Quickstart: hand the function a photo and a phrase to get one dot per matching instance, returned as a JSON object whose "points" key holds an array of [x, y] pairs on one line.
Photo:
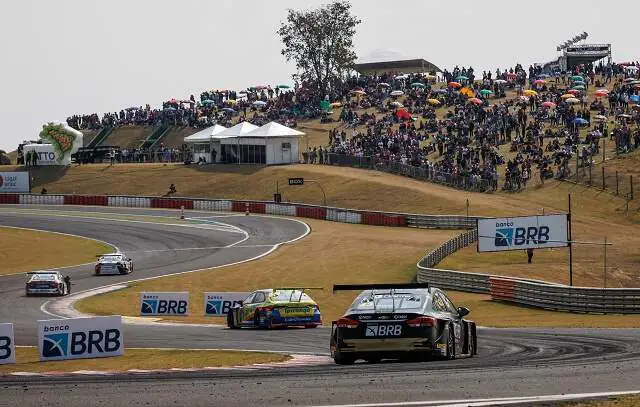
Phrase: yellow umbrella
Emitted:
{"points": [[530, 92], [567, 96], [433, 101], [467, 92], [230, 102], [336, 104]]}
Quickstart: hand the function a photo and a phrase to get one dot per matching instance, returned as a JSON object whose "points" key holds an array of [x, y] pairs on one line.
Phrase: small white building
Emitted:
{"points": [[203, 145], [246, 143]]}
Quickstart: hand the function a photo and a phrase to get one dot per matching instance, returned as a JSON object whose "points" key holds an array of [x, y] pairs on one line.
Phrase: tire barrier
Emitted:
{"points": [[171, 203], [10, 199]]}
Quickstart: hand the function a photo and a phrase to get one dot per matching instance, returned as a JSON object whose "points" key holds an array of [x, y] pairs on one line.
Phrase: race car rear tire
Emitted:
{"points": [[341, 359], [231, 323], [451, 344]]}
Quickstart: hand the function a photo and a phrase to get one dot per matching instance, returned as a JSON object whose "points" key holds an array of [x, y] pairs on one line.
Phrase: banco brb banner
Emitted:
{"points": [[80, 338], [523, 232]]}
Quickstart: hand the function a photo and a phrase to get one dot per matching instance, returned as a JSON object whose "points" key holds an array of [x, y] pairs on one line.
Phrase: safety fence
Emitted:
{"points": [[251, 207], [533, 293], [468, 183], [514, 290]]}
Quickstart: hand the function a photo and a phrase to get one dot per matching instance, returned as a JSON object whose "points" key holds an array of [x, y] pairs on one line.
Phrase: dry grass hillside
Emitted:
{"points": [[128, 137]]}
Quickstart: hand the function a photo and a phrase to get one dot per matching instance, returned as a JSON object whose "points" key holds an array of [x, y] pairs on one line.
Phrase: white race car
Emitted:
{"points": [[45, 282], [113, 263]]}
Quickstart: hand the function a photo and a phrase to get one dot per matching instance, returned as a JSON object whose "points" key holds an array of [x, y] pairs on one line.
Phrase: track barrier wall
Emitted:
{"points": [[524, 292]]}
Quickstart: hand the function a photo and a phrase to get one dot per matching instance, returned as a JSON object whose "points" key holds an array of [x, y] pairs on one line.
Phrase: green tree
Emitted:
{"points": [[320, 42]]}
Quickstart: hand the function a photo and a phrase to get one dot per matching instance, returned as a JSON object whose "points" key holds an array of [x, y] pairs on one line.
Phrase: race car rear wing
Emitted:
{"points": [[362, 287], [294, 289]]}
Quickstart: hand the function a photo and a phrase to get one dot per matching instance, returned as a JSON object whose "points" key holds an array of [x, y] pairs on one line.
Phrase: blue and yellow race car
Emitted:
{"points": [[274, 308]]}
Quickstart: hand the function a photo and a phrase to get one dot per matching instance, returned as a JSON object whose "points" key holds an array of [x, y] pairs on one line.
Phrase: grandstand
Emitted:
{"points": [[575, 54]]}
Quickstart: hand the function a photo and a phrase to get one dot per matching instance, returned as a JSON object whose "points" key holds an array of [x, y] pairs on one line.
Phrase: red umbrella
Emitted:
{"points": [[540, 82], [549, 104], [600, 93], [574, 91], [475, 101], [455, 85], [403, 114]]}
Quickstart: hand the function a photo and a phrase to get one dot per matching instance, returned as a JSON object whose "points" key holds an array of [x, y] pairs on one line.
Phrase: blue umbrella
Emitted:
{"points": [[440, 91], [635, 98], [228, 110], [579, 121], [171, 109], [208, 101]]}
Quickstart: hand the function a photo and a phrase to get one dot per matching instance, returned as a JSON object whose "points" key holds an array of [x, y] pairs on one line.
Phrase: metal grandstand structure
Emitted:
{"points": [[576, 52]]}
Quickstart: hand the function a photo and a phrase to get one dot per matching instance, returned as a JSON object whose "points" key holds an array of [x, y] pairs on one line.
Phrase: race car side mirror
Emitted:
{"points": [[462, 311]]}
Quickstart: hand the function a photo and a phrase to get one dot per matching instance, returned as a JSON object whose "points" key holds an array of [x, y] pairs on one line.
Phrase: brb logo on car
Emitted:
{"points": [[61, 342], [509, 236], [153, 304]]}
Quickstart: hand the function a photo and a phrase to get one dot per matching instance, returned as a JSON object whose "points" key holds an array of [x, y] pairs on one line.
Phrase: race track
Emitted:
{"points": [[511, 362]]}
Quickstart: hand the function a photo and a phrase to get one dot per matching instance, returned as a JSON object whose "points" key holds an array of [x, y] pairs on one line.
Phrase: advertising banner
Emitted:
{"points": [[524, 232], [175, 304], [47, 154], [218, 304], [7, 344], [11, 182], [80, 338]]}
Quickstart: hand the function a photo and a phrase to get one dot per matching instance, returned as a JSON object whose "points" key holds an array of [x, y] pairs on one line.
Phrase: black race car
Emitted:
{"points": [[401, 321]]}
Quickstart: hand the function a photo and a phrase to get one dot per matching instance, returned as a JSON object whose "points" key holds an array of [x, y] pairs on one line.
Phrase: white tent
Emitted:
{"points": [[270, 144], [204, 146], [237, 130], [274, 129], [205, 135]]}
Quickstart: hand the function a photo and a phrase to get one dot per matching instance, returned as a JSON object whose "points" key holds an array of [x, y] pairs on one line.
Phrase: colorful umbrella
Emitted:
{"points": [[579, 83], [572, 100], [540, 82], [397, 93], [230, 102], [543, 76], [579, 121], [574, 92], [600, 117], [434, 102], [359, 92], [462, 78], [397, 104], [530, 92], [549, 104], [485, 92], [383, 84], [336, 104], [579, 87], [577, 78], [418, 85], [228, 110], [455, 85], [567, 96], [475, 101], [635, 98], [500, 81], [207, 101], [259, 103], [467, 92], [260, 87], [524, 98], [283, 87], [600, 93]]}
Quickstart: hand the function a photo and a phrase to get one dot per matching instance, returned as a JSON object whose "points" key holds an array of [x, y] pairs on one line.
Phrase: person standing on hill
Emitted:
{"points": [[529, 255]]}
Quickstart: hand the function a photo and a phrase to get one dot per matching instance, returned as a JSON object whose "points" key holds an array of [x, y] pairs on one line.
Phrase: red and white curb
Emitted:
{"points": [[295, 361]]}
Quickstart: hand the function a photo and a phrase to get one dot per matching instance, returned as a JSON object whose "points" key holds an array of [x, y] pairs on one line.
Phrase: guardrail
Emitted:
{"points": [[533, 293], [520, 291]]}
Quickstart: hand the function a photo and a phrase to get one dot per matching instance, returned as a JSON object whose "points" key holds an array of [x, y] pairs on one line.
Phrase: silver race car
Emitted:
{"points": [[113, 263], [45, 283]]}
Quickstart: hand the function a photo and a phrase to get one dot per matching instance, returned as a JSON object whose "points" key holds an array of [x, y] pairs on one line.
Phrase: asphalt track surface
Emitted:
{"points": [[510, 363]]}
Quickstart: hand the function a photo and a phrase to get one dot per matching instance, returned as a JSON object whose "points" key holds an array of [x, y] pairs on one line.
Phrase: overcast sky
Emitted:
{"points": [[77, 56]]}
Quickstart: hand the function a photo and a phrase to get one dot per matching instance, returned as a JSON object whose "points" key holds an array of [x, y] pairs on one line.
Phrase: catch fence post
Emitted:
{"points": [[182, 212], [246, 208], [603, 182]]}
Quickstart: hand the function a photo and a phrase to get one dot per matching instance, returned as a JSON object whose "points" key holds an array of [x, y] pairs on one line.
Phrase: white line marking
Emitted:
{"points": [[490, 401], [200, 248]]}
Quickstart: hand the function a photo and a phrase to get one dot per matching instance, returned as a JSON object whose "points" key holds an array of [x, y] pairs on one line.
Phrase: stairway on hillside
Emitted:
{"points": [[128, 136], [100, 137]]}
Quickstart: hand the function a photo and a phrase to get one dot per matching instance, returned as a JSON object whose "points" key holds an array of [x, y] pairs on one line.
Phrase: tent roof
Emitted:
{"points": [[274, 129], [239, 129], [206, 134]]}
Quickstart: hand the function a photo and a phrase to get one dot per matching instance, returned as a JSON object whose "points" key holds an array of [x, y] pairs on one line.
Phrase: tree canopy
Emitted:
{"points": [[320, 41]]}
